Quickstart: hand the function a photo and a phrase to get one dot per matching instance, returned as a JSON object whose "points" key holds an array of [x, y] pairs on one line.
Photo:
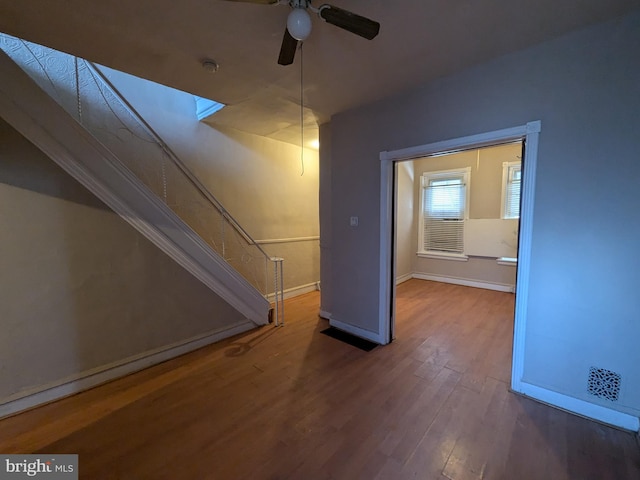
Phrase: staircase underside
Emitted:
{"points": [[48, 126]]}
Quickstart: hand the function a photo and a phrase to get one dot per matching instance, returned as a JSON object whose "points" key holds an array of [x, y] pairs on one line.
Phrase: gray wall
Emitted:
{"points": [[325, 207], [583, 300], [79, 287]]}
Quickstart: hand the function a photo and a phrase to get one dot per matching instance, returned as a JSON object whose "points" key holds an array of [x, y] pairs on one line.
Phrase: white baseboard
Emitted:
{"points": [[579, 407], [324, 314], [296, 291], [358, 332], [94, 377], [500, 287], [403, 278]]}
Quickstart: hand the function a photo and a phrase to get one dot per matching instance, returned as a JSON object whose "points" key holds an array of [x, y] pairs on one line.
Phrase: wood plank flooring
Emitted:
{"points": [[290, 403]]}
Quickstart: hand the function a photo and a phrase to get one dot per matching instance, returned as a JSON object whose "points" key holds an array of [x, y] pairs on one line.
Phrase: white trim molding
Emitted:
{"points": [[530, 134], [270, 241], [511, 262], [97, 376], [324, 314], [527, 194], [580, 407], [404, 278], [297, 291], [357, 331], [499, 287], [458, 257]]}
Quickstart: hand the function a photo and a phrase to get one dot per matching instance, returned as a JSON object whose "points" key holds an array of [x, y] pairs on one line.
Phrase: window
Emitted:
{"points": [[205, 107], [511, 180], [444, 208]]}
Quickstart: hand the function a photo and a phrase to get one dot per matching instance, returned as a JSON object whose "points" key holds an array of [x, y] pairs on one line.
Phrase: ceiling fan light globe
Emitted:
{"points": [[299, 24]]}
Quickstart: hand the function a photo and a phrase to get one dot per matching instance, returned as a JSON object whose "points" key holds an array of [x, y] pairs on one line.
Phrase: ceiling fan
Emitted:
{"points": [[299, 24]]}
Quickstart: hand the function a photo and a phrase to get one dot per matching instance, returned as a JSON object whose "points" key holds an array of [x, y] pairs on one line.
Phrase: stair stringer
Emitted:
{"points": [[34, 114]]}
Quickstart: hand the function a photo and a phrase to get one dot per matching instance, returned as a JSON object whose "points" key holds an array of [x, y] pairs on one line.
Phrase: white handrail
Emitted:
{"points": [[278, 290], [204, 191], [179, 163]]}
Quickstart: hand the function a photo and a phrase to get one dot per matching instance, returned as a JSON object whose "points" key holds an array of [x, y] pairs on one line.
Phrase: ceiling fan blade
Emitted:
{"points": [[350, 21], [288, 49], [261, 2]]}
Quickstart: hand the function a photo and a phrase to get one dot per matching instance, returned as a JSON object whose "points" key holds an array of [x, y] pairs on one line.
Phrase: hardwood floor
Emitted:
{"points": [[291, 403]]}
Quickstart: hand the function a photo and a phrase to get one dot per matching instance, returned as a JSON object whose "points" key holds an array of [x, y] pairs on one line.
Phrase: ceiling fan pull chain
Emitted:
{"points": [[302, 107]]}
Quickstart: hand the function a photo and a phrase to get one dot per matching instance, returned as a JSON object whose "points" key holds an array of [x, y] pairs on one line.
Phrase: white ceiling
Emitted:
{"points": [[166, 40]]}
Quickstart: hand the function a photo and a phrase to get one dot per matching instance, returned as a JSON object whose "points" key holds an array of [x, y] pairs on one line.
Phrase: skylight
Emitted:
{"points": [[205, 107], [22, 52]]}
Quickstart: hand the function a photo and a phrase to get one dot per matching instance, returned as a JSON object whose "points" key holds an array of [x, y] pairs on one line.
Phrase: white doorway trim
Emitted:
{"points": [[530, 133]]}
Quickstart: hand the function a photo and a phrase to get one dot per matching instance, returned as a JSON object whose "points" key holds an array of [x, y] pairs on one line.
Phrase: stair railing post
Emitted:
{"points": [[278, 291], [224, 245], [281, 263], [266, 277], [275, 292]]}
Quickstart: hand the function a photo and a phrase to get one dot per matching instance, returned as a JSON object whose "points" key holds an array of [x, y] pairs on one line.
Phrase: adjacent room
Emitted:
{"points": [[457, 217]]}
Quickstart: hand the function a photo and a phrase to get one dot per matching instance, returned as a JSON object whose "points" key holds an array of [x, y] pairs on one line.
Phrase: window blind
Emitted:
{"points": [[512, 192], [444, 212]]}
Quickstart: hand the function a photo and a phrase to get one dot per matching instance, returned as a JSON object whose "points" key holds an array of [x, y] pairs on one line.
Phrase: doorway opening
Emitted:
{"points": [[446, 232]]}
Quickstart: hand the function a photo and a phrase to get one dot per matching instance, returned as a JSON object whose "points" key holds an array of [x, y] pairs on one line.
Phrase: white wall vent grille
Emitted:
{"points": [[604, 383]]}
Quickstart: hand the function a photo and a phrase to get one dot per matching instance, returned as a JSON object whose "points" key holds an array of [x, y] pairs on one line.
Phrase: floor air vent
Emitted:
{"points": [[604, 383], [345, 337]]}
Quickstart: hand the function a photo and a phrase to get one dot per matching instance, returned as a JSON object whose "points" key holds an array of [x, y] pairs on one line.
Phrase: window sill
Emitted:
{"points": [[458, 257], [512, 262]]}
